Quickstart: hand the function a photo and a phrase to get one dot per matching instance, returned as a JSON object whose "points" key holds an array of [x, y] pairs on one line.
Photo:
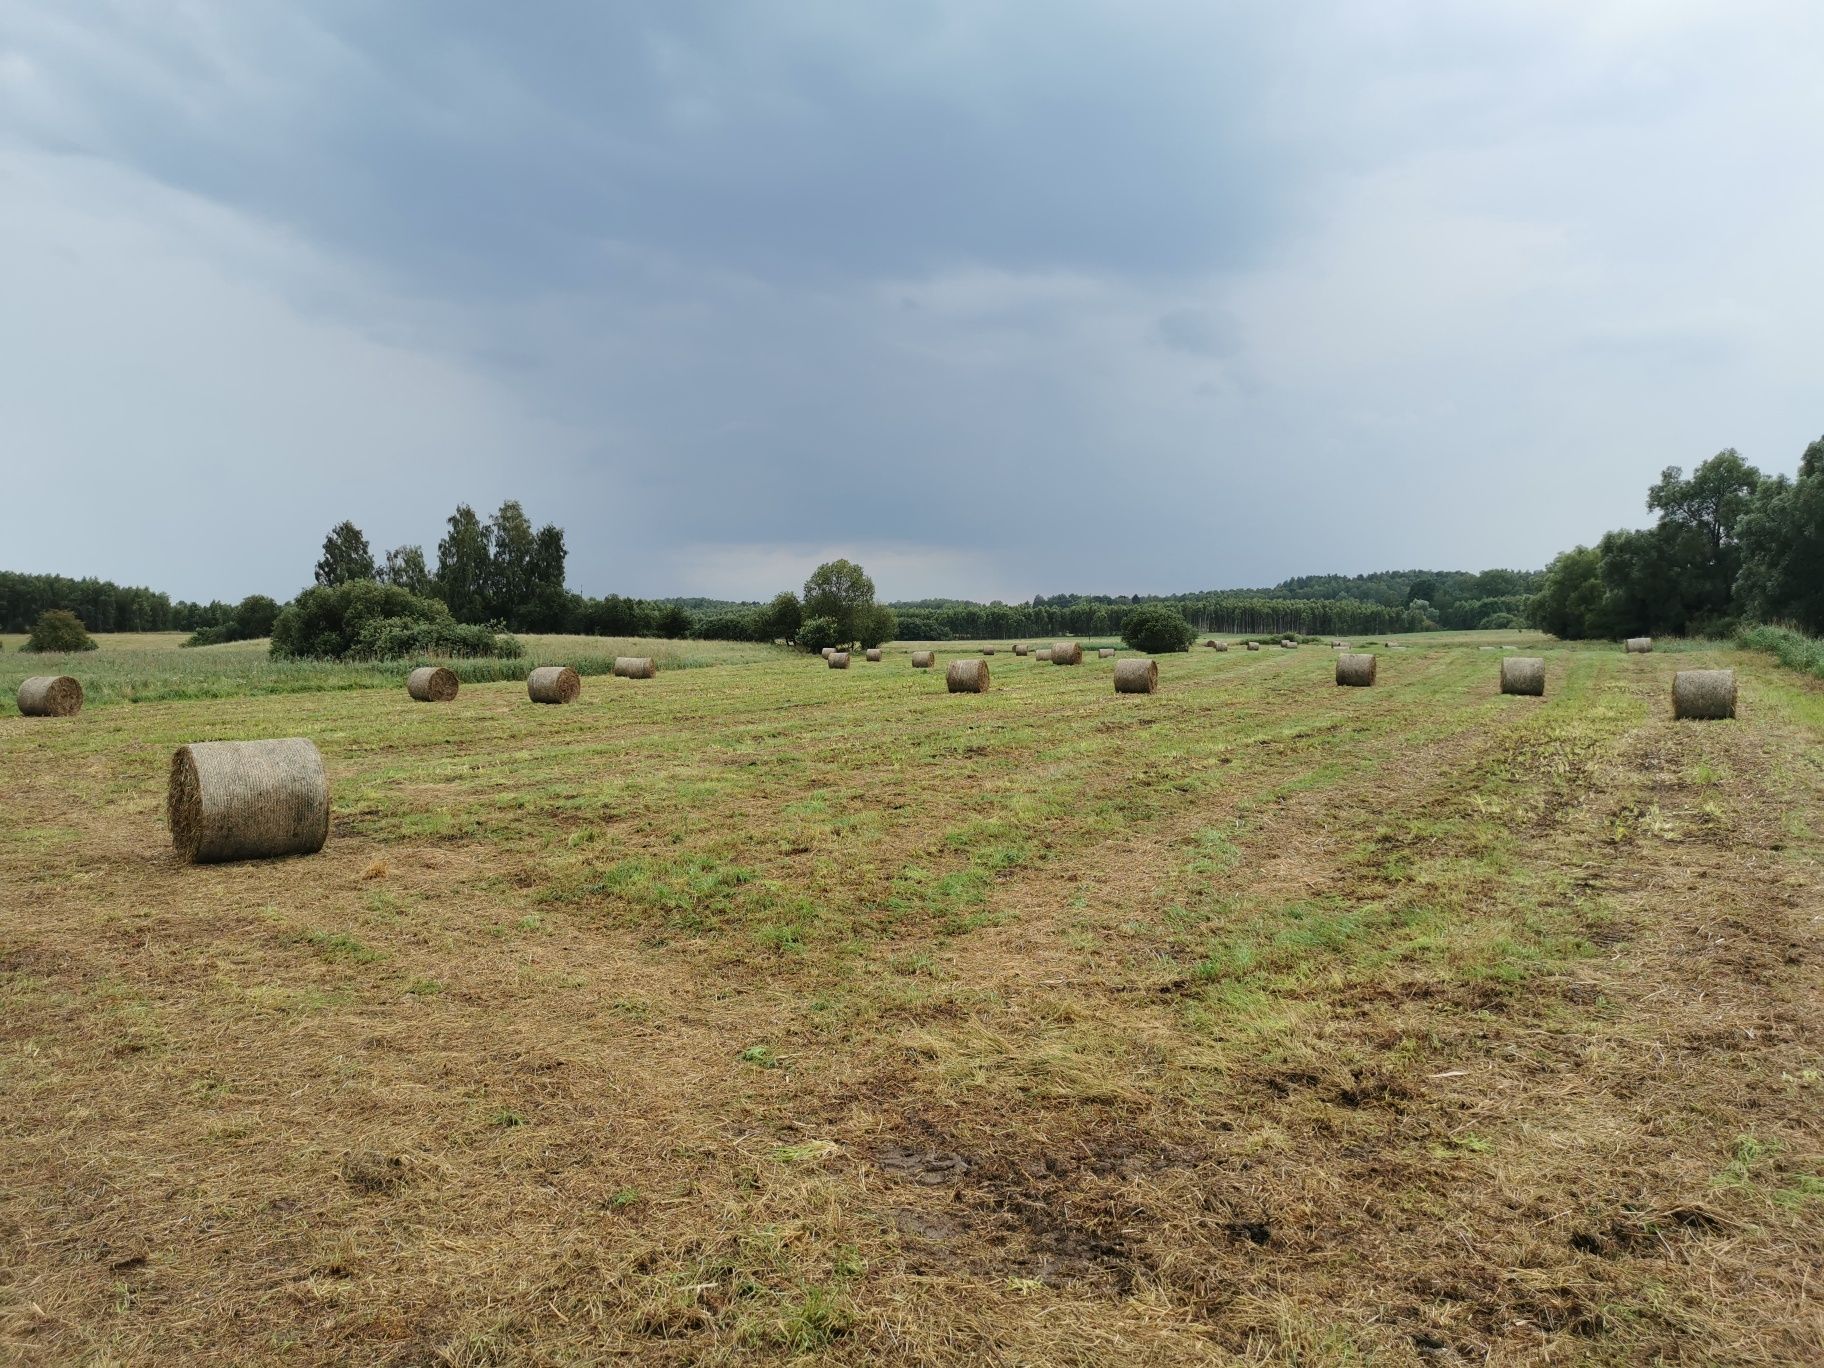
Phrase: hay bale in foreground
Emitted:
{"points": [[923, 660], [554, 684], [50, 696], [432, 684], [1356, 670], [247, 800], [1021, 648], [1136, 676], [873, 655], [636, 667], [1253, 645], [1523, 675], [966, 676], [1703, 694], [839, 660], [1066, 653], [1041, 655], [1105, 653], [1638, 645]]}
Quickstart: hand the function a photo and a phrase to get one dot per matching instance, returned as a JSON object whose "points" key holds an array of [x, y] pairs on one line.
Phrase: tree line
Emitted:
{"points": [[101, 604], [1731, 546]]}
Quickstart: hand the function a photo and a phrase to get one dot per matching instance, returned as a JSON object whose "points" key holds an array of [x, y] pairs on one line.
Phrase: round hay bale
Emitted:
{"points": [[1356, 670], [247, 800], [827, 652], [987, 650], [839, 660], [1021, 648], [1701, 694], [966, 676], [1136, 676], [554, 684], [1105, 653], [50, 696], [923, 660], [432, 684], [1339, 645], [1041, 655], [873, 655], [1638, 645], [1066, 653], [1523, 675], [1289, 644], [1253, 645], [636, 667], [1211, 642], [1219, 645]]}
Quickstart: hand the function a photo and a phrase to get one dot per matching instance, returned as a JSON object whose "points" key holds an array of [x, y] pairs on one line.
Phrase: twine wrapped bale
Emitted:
{"points": [[1253, 645], [1105, 653], [923, 660], [839, 660], [1639, 645], [873, 655], [636, 667], [1066, 653], [50, 696], [247, 800], [1356, 670], [1041, 655], [1701, 694], [1021, 648], [966, 676], [1523, 675], [1136, 676], [432, 684], [554, 684]]}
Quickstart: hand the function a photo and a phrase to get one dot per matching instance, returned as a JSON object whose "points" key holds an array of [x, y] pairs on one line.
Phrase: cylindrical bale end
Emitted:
{"points": [[432, 684], [247, 800], [1703, 694], [839, 660], [1639, 645], [827, 652], [636, 667], [1136, 676], [966, 676], [554, 684], [1066, 653], [923, 660], [873, 655], [1356, 670], [50, 696], [1523, 675]]}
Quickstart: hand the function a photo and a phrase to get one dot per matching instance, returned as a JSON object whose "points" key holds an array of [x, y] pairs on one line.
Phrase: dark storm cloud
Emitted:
{"points": [[1003, 297]]}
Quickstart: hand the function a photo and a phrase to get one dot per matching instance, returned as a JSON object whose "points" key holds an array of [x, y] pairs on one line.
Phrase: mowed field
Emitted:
{"points": [[764, 1012]]}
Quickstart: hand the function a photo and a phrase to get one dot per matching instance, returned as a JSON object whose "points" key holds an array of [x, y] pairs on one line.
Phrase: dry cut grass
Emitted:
{"points": [[772, 1013]]}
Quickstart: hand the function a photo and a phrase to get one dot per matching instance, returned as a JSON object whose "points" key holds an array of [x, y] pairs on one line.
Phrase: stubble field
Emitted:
{"points": [[764, 1012]]}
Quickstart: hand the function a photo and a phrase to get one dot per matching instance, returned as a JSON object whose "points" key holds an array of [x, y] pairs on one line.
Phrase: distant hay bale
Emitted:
{"points": [[554, 684], [923, 660], [1638, 645], [828, 651], [50, 696], [1136, 676], [873, 655], [247, 800], [1041, 655], [1339, 645], [1211, 642], [636, 667], [1700, 694], [1021, 648], [1289, 644], [1217, 645], [966, 676], [1105, 653], [839, 660], [432, 684], [1523, 675], [1356, 670], [1253, 645], [1066, 653], [987, 650]]}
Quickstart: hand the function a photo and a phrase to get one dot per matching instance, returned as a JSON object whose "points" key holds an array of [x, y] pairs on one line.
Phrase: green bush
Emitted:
{"points": [[876, 625], [365, 620], [1156, 629], [58, 630], [816, 633]]}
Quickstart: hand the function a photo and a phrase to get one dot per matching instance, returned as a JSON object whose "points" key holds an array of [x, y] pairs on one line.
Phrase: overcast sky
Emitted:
{"points": [[1000, 299]]}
